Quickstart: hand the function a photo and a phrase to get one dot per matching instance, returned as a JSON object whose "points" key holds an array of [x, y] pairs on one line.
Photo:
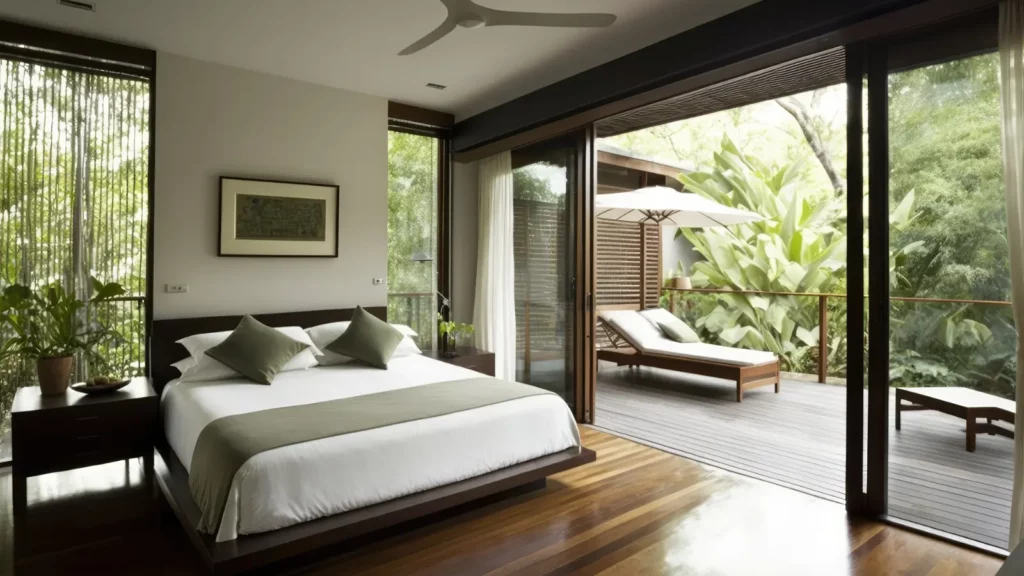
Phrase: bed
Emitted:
{"points": [[293, 499]]}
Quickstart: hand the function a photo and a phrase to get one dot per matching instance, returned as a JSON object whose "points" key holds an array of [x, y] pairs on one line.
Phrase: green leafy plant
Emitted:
{"points": [[51, 323], [796, 248], [455, 330]]}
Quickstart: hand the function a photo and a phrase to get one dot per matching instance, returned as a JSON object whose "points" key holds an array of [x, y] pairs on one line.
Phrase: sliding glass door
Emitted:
{"points": [[543, 184], [547, 188], [952, 341], [941, 367]]}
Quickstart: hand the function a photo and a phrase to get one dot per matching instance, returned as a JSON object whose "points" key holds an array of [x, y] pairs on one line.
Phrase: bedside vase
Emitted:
{"points": [[449, 346], [54, 374]]}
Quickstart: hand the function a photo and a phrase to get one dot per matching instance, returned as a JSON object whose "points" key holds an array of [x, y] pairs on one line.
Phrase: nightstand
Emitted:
{"points": [[473, 358], [57, 433]]}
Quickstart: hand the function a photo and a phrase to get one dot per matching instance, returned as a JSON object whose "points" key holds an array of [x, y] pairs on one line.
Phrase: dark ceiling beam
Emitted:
{"points": [[762, 27], [400, 112]]}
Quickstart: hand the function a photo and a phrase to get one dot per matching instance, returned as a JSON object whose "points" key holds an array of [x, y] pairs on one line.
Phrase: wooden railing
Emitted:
{"points": [[823, 311]]}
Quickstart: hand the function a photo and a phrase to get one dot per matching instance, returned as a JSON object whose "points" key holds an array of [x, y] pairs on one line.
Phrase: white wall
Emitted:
{"points": [[464, 240], [675, 250], [214, 120]]}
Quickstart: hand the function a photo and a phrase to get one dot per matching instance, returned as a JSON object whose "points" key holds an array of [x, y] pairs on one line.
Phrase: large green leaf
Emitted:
{"points": [[902, 215]]}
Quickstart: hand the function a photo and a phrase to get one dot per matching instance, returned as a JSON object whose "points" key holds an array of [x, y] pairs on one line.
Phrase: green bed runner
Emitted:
{"points": [[227, 443]]}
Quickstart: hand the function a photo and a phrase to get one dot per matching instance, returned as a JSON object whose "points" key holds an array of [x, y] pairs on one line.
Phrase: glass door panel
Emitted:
{"points": [[951, 336], [545, 185]]}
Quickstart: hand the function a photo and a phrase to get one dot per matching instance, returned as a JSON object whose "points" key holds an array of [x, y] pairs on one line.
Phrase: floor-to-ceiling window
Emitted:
{"points": [[74, 200], [414, 177]]}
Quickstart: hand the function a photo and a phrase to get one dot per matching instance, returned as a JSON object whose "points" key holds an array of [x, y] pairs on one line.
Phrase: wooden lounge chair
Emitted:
{"points": [[638, 341]]}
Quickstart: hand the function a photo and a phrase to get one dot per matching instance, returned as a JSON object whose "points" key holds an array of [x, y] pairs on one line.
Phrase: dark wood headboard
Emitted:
{"points": [[164, 350]]}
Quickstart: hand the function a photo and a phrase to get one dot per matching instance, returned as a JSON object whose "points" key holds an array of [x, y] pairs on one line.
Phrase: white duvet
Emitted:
{"points": [[303, 482]]}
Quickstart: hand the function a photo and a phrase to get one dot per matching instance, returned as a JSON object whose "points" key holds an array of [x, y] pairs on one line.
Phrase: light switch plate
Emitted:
{"points": [[378, 281], [175, 288]]}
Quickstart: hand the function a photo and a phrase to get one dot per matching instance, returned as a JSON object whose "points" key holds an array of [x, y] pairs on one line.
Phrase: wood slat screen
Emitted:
{"points": [[619, 267], [541, 282]]}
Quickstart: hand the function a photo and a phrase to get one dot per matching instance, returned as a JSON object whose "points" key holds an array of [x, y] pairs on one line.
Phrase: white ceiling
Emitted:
{"points": [[353, 44]]}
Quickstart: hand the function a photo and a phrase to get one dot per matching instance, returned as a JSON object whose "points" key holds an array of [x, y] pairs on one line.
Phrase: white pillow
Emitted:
{"points": [[204, 368], [659, 316], [324, 334], [405, 330], [636, 329], [182, 365]]}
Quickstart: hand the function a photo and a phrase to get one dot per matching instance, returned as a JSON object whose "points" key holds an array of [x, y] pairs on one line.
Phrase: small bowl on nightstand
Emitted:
{"points": [[85, 388]]}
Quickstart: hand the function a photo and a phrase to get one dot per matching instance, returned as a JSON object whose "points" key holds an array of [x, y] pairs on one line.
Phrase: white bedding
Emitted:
{"points": [[294, 484]]}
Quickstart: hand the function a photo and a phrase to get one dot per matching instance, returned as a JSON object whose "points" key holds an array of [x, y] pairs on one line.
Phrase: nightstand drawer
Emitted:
{"points": [[49, 450], [72, 437]]}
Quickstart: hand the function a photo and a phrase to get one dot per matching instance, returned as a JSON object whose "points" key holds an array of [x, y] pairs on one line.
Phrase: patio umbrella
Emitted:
{"points": [[668, 207]]}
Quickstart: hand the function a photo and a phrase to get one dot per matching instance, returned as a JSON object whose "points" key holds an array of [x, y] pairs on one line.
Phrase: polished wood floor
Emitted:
{"points": [[636, 510], [797, 439]]}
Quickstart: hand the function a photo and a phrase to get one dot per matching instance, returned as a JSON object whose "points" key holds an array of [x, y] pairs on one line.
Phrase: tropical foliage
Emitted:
{"points": [[796, 249], [52, 323], [74, 159], [412, 230], [947, 225]]}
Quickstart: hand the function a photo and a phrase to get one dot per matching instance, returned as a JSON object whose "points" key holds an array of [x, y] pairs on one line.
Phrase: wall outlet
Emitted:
{"points": [[175, 288], [378, 281]]}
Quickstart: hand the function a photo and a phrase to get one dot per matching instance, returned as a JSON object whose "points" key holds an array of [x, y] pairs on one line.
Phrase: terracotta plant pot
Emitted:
{"points": [[682, 282], [54, 374]]}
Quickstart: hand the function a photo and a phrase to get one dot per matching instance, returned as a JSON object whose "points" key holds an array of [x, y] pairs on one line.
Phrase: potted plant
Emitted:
{"points": [[49, 327], [679, 278], [450, 332]]}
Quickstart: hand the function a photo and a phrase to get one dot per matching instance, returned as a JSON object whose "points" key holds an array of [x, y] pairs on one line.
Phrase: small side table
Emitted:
{"points": [[57, 433], [468, 357]]}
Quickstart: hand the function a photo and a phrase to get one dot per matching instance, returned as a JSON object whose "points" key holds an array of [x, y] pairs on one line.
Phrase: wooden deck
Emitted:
{"points": [[797, 439]]}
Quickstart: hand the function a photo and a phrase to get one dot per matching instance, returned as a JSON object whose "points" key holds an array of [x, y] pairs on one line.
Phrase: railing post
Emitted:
{"points": [[822, 338]]}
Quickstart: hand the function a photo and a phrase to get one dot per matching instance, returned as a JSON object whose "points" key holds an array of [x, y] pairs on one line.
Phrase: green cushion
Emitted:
{"points": [[368, 339], [256, 350], [680, 332]]}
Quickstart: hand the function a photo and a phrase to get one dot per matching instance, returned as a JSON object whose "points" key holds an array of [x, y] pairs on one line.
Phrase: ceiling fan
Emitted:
{"points": [[469, 14]]}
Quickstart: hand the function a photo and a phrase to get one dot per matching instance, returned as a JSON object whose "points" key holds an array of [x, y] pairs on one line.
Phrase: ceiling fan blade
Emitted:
{"points": [[440, 32], [494, 17]]}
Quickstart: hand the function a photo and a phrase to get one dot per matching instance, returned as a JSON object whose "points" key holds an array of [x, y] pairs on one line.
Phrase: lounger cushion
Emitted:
{"points": [[648, 339], [672, 326], [633, 328], [712, 353]]}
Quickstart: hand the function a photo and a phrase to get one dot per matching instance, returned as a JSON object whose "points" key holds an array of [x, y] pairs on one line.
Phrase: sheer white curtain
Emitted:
{"points": [[1011, 56], [494, 313]]}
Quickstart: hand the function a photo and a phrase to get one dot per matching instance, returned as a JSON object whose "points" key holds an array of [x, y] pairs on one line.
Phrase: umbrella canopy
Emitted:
{"points": [[665, 206]]}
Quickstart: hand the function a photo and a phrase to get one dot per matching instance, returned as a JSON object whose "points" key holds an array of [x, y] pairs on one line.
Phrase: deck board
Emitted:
{"points": [[797, 439]]}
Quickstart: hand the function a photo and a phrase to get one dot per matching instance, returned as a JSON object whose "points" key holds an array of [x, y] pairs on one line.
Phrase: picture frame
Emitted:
{"points": [[277, 219]]}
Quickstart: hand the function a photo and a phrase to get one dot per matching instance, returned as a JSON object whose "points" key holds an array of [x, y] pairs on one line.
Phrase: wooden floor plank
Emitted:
{"points": [[797, 439], [635, 511]]}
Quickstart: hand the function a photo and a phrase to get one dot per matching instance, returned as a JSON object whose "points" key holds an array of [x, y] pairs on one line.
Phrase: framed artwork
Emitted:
{"points": [[277, 219]]}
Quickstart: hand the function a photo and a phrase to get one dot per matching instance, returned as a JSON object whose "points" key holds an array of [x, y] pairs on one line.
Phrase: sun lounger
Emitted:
{"points": [[638, 341]]}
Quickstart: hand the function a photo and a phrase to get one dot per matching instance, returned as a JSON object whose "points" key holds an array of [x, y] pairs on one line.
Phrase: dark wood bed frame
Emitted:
{"points": [[625, 353], [253, 551]]}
